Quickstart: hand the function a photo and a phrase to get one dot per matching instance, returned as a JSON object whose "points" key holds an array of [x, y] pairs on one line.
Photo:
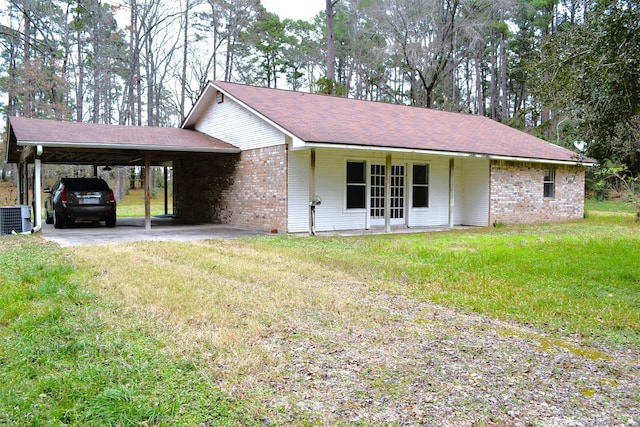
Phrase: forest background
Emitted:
{"points": [[564, 70]]}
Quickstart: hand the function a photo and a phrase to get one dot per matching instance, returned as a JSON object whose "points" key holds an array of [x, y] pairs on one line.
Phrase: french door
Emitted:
{"points": [[377, 194]]}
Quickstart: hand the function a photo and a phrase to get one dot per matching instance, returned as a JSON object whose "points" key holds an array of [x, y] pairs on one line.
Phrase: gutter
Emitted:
{"points": [[446, 153], [128, 147]]}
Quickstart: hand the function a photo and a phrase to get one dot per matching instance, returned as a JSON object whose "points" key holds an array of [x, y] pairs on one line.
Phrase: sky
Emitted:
{"points": [[295, 9]]}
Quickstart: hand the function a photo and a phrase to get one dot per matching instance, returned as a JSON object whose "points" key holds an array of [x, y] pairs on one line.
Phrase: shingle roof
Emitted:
{"points": [[332, 120], [57, 133]]}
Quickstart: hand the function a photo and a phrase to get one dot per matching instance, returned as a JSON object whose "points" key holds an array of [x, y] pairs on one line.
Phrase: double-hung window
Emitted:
{"points": [[549, 182], [420, 186], [356, 185]]}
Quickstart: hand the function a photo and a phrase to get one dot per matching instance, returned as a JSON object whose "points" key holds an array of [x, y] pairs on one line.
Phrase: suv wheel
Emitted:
{"points": [[111, 221], [48, 218], [57, 221]]}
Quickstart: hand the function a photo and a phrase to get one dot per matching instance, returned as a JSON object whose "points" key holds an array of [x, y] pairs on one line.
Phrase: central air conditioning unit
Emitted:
{"points": [[15, 219]]}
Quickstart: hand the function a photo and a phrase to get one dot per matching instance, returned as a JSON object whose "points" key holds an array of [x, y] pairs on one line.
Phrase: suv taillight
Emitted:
{"points": [[112, 198], [63, 197]]}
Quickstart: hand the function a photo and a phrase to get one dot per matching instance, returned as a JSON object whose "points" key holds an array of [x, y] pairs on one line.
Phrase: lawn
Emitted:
{"points": [[68, 357], [133, 203], [292, 330], [594, 205]]}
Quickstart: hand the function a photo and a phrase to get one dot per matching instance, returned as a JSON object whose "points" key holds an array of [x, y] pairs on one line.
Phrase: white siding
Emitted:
{"points": [[331, 185], [234, 124], [438, 211], [299, 162], [471, 192]]}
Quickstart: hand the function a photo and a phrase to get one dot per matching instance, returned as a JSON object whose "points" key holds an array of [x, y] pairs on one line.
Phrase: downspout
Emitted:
{"points": [[37, 192], [451, 191], [37, 197]]}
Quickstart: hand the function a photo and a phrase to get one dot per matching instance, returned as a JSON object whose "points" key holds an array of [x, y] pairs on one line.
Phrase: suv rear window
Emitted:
{"points": [[85, 184]]}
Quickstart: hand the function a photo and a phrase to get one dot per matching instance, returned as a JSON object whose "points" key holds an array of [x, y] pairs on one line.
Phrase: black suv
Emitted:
{"points": [[80, 199]]}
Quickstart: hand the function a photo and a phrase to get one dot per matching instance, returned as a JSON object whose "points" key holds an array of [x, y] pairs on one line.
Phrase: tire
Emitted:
{"points": [[57, 221], [48, 219], [110, 221]]}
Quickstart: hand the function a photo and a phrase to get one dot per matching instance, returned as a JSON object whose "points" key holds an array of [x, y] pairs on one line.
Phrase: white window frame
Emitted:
{"points": [[364, 184], [549, 181], [427, 186]]}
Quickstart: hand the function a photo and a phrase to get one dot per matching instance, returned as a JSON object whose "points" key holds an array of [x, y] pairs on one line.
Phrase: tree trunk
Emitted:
{"points": [[503, 72], [80, 88], [184, 63], [480, 103], [28, 101], [133, 47], [495, 96], [331, 43]]}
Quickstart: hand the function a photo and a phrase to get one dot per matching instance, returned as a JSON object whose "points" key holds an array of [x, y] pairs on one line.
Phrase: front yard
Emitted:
{"points": [[512, 326]]}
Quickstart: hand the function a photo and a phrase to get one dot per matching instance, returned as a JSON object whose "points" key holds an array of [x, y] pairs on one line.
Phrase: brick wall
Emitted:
{"points": [[517, 193], [247, 189]]}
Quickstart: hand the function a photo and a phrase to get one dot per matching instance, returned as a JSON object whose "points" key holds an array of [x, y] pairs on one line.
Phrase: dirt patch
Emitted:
{"points": [[429, 365]]}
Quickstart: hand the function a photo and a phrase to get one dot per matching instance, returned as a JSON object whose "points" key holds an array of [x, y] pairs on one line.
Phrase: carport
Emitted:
{"points": [[37, 142]]}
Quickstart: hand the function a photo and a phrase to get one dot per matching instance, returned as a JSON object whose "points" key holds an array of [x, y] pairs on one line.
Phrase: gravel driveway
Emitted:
{"points": [[429, 365]]}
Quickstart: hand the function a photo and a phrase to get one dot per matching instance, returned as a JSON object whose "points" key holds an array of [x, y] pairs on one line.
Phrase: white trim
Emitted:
{"points": [[442, 153]]}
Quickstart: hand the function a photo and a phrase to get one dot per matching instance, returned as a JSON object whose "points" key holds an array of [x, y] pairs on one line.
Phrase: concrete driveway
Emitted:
{"points": [[132, 229]]}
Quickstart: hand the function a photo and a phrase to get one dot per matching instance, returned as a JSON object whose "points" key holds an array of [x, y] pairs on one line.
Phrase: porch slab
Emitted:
{"points": [[394, 230]]}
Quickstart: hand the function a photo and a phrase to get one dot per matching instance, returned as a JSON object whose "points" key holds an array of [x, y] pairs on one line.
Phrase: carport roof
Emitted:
{"points": [[91, 143]]}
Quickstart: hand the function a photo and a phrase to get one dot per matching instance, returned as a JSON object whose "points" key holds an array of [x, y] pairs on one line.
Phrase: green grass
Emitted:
{"points": [[68, 358], [580, 279], [143, 334], [608, 206], [133, 203]]}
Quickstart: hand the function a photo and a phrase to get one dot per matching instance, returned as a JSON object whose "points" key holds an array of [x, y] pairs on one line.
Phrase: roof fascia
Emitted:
{"points": [[202, 101], [128, 147], [444, 153], [296, 142]]}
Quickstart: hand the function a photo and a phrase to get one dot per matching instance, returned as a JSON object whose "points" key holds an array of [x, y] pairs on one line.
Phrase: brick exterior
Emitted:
{"points": [[517, 193], [250, 190], [247, 189]]}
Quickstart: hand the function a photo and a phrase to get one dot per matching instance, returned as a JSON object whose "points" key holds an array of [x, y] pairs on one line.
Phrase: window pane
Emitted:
{"points": [[355, 173], [549, 175], [549, 182], [420, 197], [356, 196], [420, 174]]}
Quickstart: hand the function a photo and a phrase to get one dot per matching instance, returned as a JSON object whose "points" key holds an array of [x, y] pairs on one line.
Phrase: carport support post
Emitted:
{"points": [[19, 183], [147, 192], [166, 190]]}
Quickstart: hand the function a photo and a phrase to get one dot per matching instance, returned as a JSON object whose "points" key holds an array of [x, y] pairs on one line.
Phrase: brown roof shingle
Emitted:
{"points": [[326, 119], [51, 132]]}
